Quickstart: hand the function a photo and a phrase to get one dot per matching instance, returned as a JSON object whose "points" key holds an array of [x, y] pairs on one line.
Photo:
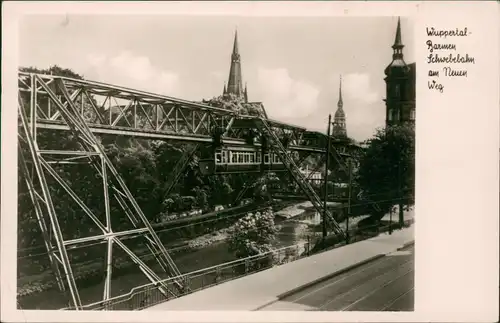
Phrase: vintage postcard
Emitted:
{"points": [[250, 161]]}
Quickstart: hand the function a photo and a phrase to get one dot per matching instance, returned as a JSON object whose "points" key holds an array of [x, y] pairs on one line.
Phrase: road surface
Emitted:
{"points": [[386, 284]]}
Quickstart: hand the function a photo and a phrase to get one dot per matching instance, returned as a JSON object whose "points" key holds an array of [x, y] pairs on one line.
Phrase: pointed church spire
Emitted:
{"points": [[398, 44], [340, 104], [397, 40], [339, 121], [235, 83], [235, 44]]}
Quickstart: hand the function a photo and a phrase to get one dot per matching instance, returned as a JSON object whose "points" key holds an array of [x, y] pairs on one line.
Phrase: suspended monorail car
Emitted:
{"points": [[240, 160]]}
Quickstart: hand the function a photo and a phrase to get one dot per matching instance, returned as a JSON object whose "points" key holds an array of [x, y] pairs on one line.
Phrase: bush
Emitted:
{"points": [[252, 234]]}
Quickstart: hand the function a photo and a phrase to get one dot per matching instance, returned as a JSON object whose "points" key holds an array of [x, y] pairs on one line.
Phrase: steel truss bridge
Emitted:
{"points": [[87, 109]]}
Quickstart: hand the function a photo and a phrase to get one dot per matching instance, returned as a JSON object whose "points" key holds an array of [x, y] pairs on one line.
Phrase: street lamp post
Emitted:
{"points": [[326, 174], [349, 202]]}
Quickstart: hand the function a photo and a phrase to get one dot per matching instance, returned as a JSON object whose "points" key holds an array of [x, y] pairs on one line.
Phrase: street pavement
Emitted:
{"points": [[258, 290], [385, 284]]}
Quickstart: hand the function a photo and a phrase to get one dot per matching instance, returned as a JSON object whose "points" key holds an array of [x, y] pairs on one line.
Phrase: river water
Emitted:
{"points": [[291, 231]]}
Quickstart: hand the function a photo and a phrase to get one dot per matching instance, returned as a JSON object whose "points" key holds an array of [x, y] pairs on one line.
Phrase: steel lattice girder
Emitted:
{"points": [[113, 186], [109, 109]]}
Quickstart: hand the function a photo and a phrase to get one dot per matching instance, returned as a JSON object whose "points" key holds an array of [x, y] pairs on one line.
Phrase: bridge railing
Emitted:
{"points": [[149, 295]]}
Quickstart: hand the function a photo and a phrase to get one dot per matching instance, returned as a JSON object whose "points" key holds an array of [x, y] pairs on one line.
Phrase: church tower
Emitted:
{"points": [[339, 124], [400, 86], [235, 82]]}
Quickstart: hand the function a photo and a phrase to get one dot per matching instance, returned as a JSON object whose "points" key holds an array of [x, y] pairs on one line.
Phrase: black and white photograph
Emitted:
{"points": [[224, 162], [159, 173]]}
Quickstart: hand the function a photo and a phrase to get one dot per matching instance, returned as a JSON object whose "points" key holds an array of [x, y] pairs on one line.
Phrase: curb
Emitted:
{"points": [[321, 279], [406, 245]]}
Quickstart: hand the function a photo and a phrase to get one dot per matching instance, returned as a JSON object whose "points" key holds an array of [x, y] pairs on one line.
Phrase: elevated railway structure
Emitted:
{"points": [[89, 109]]}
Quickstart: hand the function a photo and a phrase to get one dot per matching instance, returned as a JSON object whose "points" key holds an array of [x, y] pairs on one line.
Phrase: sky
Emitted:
{"points": [[291, 64]]}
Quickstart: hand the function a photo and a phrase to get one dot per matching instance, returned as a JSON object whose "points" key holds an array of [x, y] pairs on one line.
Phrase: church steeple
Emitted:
{"points": [[340, 104], [235, 43], [339, 122], [235, 83], [400, 85], [398, 44]]}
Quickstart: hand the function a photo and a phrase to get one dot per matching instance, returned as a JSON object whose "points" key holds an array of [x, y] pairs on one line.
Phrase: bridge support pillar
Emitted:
{"points": [[84, 149]]}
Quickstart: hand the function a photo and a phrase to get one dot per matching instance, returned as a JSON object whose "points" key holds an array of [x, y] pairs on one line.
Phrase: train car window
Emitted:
{"points": [[246, 158], [259, 158], [224, 157], [218, 158], [240, 158], [252, 158], [266, 158], [233, 158]]}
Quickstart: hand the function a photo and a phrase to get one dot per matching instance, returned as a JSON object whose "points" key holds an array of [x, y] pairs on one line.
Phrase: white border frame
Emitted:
{"points": [[457, 139]]}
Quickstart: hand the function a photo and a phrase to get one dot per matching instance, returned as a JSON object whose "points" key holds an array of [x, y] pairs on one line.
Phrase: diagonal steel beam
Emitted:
{"points": [[50, 209], [41, 220], [98, 147]]}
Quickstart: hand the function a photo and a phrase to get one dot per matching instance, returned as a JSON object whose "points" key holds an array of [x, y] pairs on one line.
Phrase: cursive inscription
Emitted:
{"points": [[447, 33], [431, 47], [442, 51]]}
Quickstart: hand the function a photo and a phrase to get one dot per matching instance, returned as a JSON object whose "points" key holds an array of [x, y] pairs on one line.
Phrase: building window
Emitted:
{"points": [[397, 91], [412, 115], [389, 116], [395, 114]]}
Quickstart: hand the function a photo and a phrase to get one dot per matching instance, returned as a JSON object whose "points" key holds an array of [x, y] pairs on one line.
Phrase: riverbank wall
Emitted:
{"points": [[301, 208]]}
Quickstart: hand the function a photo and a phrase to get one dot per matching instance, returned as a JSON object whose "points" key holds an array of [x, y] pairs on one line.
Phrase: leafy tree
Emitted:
{"points": [[201, 197], [221, 191], [167, 206], [387, 170], [176, 205], [53, 70], [237, 104], [252, 234]]}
